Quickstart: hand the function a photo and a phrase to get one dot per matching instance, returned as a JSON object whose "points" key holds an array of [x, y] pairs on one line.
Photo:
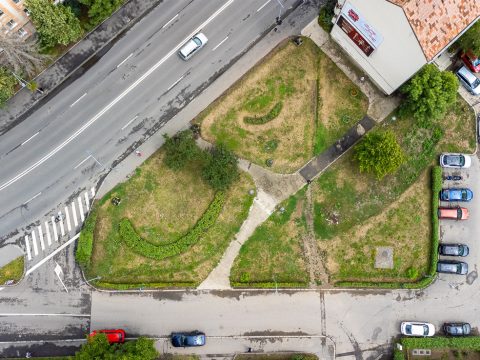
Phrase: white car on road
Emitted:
{"points": [[411, 328]]}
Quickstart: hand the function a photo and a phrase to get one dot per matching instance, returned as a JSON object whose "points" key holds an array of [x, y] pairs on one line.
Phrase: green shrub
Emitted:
{"points": [[325, 16], [83, 254], [412, 273], [398, 354], [259, 120], [159, 252], [180, 149], [220, 170]]}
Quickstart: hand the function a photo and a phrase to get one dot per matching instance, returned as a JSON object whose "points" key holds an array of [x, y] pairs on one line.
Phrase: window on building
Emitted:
{"points": [[21, 32], [11, 24], [26, 11]]}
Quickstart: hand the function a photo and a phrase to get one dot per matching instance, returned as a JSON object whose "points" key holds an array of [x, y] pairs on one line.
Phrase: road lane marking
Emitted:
{"points": [[128, 57], [33, 197], [93, 192], [46, 314], [80, 208], [30, 138], [220, 43], [74, 213], [43, 261], [40, 237], [34, 242], [62, 228], [76, 101], [175, 83], [87, 201], [169, 21], [81, 162], [261, 7], [27, 246], [49, 238], [116, 100], [135, 118], [69, 225], [55, 233]]}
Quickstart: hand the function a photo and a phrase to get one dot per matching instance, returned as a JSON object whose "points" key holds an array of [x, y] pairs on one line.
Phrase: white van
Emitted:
{"points": [[469, 80], [192, 46]]}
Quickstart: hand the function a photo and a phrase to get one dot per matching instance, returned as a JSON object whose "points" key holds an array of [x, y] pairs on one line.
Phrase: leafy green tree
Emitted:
{"points": [[55, 24], [429, 94], [180, 149], [379, 153], [141, 349], [470, 40], [99, 10], [96, 348], [221, 168], [7, 85]]}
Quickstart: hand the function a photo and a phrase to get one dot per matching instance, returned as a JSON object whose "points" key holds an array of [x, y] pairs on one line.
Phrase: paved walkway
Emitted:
{"points": [[74, 63]]}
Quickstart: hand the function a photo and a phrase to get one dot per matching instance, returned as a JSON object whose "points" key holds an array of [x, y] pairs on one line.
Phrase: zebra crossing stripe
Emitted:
{"points": [[69, 226], [87, 201], [93, 192], [27, 246], [40, 236], [55, 234], [49, 238], [80, 208], [74, 213], [34, 242]]}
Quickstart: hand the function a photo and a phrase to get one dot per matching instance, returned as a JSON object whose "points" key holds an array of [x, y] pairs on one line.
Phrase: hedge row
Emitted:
{"points": [[471, 343], [137, 286], [269, 285], [259, 120], [432, 271], [158, 252], [83, 254]]}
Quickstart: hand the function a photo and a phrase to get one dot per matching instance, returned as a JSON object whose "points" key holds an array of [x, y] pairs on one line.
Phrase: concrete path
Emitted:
{"points": [[9, 253]]}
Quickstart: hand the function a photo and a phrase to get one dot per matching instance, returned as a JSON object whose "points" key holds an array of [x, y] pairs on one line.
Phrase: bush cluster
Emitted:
{"points": [[83, 254], [158, 252], [259, 120], [220, 169]]}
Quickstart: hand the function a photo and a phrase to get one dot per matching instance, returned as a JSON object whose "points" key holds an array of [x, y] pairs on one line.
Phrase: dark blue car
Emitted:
{"points": [[183, 339], [456, 195]]}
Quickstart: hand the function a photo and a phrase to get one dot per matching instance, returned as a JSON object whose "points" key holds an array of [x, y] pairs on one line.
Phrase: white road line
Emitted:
{"points": [[74, 213], [80, 209], [93, 192], [220, 43], [261, 7], [76, 101], [38, 314], [44, 260], [81, 162], [55, 233], [49, 238], [116, 100], [135, 118], [27, 246], [175, 83], [34, 242], [62, 228], [69, 226], [30, 138], [128, 57], [40, 236], [169, 21], [87, 201], [33, 197]]}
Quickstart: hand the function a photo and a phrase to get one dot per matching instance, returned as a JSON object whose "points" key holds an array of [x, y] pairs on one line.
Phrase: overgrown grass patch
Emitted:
{"points": [[13, 270]]}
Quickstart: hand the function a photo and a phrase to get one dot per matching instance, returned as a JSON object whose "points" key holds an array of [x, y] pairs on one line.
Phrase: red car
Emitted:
{"points": [[455, 213], [471, 60], [113, 336]]}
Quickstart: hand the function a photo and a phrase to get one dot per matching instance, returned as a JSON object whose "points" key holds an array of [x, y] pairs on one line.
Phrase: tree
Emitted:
{"points": [[99, 10], [19, 55], [96, 348], [56, 24], [221, 169], [379, 153], [180, 149], [470, 40], [430, 93], [7, 85]]}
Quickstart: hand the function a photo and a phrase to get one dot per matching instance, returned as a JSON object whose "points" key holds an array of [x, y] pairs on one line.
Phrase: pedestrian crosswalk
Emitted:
{"points": [[44, 237]]}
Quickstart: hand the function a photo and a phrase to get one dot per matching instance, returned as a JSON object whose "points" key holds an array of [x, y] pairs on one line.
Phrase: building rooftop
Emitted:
{"points": [[437, 22]]}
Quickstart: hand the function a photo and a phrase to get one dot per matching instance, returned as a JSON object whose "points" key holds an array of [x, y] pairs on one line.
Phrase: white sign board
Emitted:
{"points": [[357, 20]]}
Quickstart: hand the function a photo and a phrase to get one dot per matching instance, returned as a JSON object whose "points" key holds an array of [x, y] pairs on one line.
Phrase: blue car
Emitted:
{"points": [[184, 339], [456, 195]]}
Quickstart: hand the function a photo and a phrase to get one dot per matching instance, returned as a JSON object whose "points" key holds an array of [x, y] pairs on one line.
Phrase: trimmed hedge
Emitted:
{"points": [[158, 252], [83, 254], [432, 271], [259, 120], [269, 285], [137, 286], [470, 343]]}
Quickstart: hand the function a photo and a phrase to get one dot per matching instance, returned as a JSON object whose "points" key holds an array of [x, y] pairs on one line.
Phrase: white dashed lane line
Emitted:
{"points": [[220, 43], [67, 215], [27, 246], [74, 214], [40, 236]]}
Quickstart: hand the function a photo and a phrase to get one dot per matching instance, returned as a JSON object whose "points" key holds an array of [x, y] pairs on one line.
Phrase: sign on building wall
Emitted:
{"points": [[358, 29]]}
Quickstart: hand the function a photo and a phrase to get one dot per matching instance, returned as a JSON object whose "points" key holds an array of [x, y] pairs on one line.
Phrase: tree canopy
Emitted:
{"points": [[7, 85], [19, 55], [99, 10], [221, 168], [470, 40]]}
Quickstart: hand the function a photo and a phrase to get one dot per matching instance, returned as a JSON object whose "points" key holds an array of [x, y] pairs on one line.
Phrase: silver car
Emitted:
{"points": [[469, 80], [455, 160], [192, 46]]}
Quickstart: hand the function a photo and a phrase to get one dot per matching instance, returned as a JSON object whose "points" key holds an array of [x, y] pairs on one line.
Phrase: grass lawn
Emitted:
{"points": [[273, 254], [163, 205], [303, 101], [12, 271]]}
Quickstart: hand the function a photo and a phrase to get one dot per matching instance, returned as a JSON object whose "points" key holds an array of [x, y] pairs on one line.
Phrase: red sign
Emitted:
{"points": [[356, 37]]}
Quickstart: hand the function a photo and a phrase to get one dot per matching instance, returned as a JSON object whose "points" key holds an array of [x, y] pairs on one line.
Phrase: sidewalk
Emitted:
{"points": [[74, 63]]}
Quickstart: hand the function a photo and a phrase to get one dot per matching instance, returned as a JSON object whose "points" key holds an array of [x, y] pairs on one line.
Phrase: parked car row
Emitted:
{"points": [[466, 74], [178, 339], [457, 194], [424, 329]]}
